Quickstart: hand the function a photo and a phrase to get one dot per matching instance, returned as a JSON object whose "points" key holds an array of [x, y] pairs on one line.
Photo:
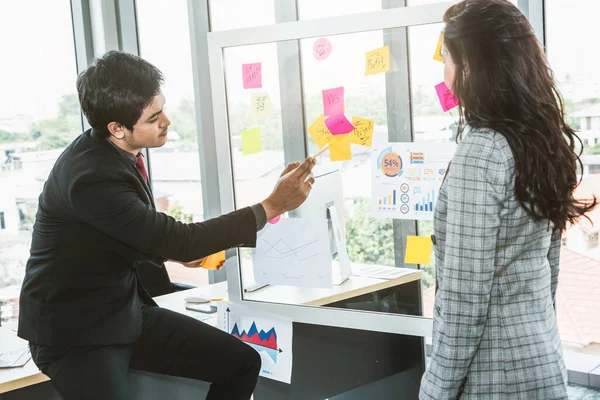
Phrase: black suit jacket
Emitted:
{"points": [[95, 223]]}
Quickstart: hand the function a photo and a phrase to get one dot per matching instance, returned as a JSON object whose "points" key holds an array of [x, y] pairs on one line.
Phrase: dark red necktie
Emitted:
{"points": [[141, 167]]}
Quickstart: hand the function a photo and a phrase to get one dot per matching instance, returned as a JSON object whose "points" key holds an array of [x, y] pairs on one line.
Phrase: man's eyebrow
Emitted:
{"points": [[154, 115]]}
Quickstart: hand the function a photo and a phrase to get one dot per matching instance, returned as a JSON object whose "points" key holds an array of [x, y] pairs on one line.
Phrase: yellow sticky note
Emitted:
{"points": [[437, 56], [318, 132], [378, 61], [261, 104], [213, 261], [418, 250], [251, 141], [363, 131], [340, 148]]}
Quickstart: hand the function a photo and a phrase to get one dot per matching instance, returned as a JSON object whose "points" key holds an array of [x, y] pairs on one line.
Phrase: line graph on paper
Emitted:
{"points": [[295, 252], [282, 250]]}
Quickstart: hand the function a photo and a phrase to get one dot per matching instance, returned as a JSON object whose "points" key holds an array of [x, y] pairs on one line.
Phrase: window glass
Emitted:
{"points": [[174, 167], [309, 9], [579, 83], [236, 14], [39, 117]]}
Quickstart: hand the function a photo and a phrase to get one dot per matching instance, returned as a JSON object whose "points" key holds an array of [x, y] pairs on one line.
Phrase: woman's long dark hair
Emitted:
{"points": [[504, 83]]}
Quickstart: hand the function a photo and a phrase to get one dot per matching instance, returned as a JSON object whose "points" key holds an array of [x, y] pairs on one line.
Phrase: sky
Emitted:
{"points": [[38, 65]]}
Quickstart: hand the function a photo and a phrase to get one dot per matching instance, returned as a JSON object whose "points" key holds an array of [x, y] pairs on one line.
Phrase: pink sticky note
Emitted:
{"points": [[252, 75], [322, 49], [275, 220], [447, 99], [339, 124], [333, 101]]}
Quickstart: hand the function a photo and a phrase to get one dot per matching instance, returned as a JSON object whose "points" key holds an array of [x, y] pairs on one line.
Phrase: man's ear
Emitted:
{"points": [[116, 130]]}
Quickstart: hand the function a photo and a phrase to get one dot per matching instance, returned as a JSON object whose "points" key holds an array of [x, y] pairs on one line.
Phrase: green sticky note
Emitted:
{"points": [[251, 141], [418, 250]]}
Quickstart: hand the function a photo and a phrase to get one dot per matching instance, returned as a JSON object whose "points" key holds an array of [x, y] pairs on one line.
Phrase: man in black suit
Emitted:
{"points": [[83, 309]]}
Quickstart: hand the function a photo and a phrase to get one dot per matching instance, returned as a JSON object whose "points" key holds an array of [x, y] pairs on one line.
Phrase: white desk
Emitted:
{"points": [[353, 287], [176, 301], [29, 374], [16, 378]]}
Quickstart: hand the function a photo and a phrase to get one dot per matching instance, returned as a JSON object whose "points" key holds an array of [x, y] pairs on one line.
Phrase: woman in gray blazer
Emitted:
{"points": [[506, 199]]}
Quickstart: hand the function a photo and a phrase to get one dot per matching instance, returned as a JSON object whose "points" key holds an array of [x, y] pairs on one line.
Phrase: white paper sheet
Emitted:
{"points": [[269, 334], [379, 271], [294, 251], [407, 178]]}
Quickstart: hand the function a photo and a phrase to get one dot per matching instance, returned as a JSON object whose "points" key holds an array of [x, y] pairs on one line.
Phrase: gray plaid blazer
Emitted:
{"points": [[494, 324]]}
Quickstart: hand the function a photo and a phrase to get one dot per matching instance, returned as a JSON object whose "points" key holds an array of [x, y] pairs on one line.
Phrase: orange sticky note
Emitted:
{"points": [[213, 261], [437, 56], [318, 131], [340, 148], [418, 250], [363, 131]]}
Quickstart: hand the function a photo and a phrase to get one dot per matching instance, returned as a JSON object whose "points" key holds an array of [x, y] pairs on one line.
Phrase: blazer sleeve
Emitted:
{"points": [[110, 203], [554, 260], [476, 188]]}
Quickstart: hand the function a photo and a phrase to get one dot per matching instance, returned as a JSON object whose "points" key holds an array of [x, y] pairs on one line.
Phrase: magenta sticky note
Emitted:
{"points": [[252, 75], [322, 49], [333, 101], [447, 99], [339, 124], [275, 220]]}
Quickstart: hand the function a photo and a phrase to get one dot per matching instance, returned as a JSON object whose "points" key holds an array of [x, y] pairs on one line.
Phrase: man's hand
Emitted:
{"points": [[291, 189]]}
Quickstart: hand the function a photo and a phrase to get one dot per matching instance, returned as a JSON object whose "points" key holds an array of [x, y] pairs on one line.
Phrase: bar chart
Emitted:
{"points": [[388, 200], [427, 202]]}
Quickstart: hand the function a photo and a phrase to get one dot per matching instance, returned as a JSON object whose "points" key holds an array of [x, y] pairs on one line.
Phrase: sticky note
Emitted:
{"points": [[378, 61], [340, 148], [261, 104], [339, 124], [252, 75], [418, 250], [318, 132], [213, 261], [447, 99], [251, 141], [363, 131], [333, 101], [321, 49], [437, 56]]}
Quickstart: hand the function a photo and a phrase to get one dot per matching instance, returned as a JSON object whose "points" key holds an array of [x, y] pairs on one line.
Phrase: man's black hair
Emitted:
{"points": [[116, 88]]}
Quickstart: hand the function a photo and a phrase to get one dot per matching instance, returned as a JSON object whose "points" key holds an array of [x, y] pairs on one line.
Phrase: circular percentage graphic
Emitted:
{"points": [[391, 164]]}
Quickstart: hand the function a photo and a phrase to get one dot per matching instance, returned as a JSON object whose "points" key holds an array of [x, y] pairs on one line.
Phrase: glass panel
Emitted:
{"points": [[578, 80], [39, 117], [256, 172], [310, 9], [430, 123], [175, 167], [235, 14], [369, 240]]}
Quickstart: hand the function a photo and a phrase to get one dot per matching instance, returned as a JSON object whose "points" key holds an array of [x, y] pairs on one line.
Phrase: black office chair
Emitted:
{"points": [[156, 280]]}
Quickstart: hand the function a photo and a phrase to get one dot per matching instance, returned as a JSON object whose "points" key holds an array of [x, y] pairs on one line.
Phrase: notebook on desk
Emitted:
{"points": [[14, 358]]}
